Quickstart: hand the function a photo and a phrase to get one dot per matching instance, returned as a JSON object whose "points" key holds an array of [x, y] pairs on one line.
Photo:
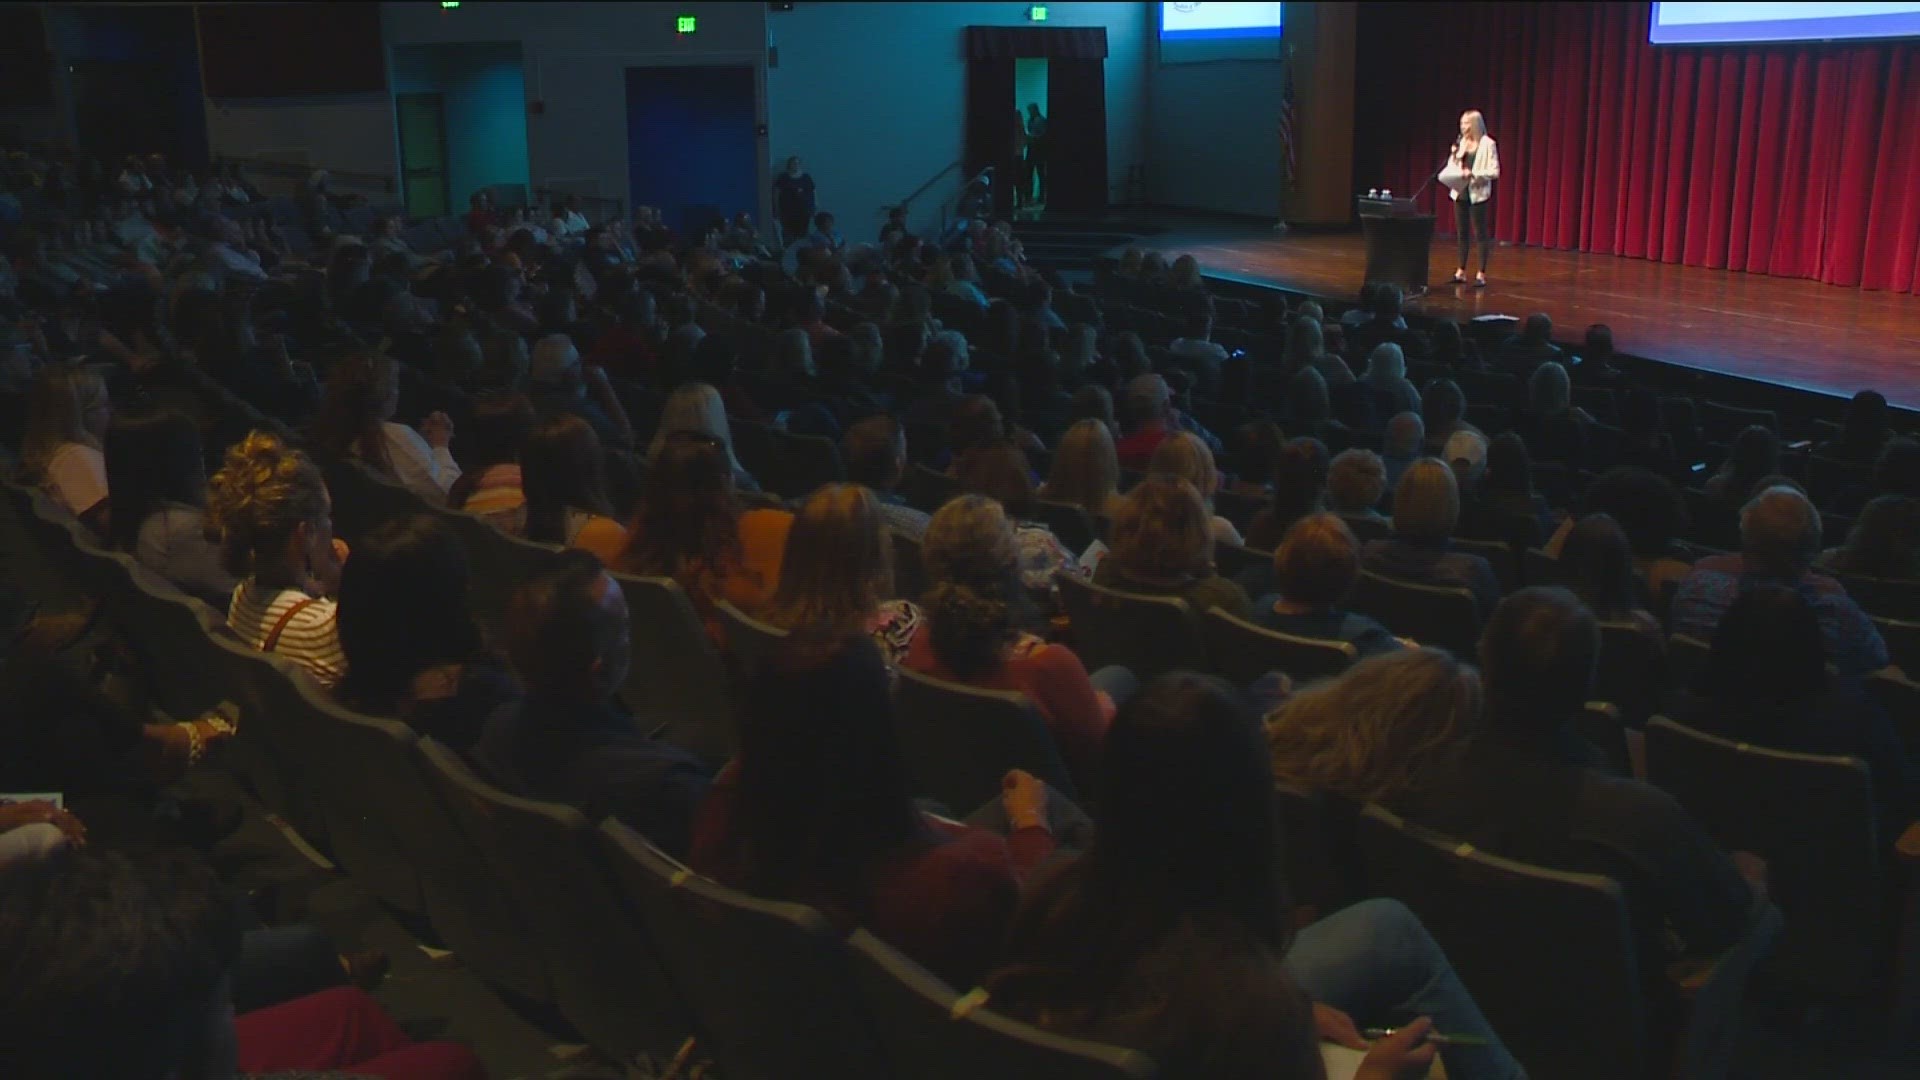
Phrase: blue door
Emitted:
{"points": [[692, 148]]}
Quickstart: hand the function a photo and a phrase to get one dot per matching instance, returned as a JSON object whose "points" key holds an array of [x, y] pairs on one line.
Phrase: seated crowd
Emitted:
{"points": [[634, 397]]}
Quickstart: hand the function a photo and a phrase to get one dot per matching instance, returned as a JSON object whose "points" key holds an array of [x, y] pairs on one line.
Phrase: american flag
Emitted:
{"points": [[1287, 162]]}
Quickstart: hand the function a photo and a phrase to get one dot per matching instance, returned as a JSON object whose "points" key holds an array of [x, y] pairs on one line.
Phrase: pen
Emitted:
{"points": [[1434, 1037]]}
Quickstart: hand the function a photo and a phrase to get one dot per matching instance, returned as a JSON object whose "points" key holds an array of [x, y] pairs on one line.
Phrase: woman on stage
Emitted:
{"points": [[1472, 166]]}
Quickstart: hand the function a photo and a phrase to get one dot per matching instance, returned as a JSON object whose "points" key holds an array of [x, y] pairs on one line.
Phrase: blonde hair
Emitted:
{"points": [[694, 407], [837, 568], [1370, 733], [1478, 123], [57, 415], [264, 490], [1426, 505], [973, 584], [1086, 469], [1183, 456]]}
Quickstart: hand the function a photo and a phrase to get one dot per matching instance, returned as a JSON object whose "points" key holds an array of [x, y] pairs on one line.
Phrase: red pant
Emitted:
{"points": [[344, 1029]]}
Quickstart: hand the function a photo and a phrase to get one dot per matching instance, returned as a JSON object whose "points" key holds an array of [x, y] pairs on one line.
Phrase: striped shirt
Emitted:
{"points": [[310, 639]]}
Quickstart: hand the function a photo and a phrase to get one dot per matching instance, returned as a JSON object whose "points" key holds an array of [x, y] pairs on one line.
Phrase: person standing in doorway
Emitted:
{"points": [[793, 202], [1037, 152], [1022, 172]]}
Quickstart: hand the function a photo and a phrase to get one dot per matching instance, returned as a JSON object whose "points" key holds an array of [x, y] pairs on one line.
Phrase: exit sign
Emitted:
{"points": [[1037, 13], [686, 24]]}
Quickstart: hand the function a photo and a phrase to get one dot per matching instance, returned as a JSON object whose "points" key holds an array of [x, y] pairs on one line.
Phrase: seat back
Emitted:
{"points": [[766, 984], [750, 641], [1901, 700], [1600, 723], [498, 563], [926, 489], [608, 981], [930, 1033], [1499, 555], [1071, 523], [1429, 614], [1241, 652], [1232, 560], [1317, 847], [1535, 946], [909, 574], [1147, 634], [801, 464], [1887, 598], [1686, 660], [1632, 673], [362, 500], [1811, 817], [1903, 642], [169, 630], [513, 957], [959, 741], [1539, 568], [677, 685]]}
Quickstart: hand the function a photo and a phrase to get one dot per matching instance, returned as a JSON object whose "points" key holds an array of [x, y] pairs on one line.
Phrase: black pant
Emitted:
{"points": [[1470, 220], [1035, 181]]}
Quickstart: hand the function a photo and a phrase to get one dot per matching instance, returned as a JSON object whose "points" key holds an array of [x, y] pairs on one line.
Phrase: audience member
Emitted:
{"points": [[1356, 482], [1528, 788], [1380, 730], [563, 487], [356, 423], [1162, 545], [836, 575], [68, 412], [1184, 854], [1863, 431], [158, 474], [1754, 456], [1386, 379], [1314, 570], [1185, 457], [817, 808], [1779, 539], [1148, 420], [1400, 447], [1504, 506], [1532, 346], [1596, 564], [999, 470], [413, 649], [1652, 514], [568, 740], [1443, 410], [697, 407], [691, 527], [1766, 683], [875, 451], [1553, 428], [558, 382], [1086, 469], [1299, 489], [1426, 511], [493, 488], [276, 533], [1884, 541]]}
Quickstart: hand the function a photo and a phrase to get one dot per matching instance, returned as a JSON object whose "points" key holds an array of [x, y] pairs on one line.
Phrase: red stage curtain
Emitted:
{"points": [[1077, 134], [1795, 160]]}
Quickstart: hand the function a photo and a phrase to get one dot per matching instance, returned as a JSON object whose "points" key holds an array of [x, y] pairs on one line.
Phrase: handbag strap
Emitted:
{"points": [[273, 635]]}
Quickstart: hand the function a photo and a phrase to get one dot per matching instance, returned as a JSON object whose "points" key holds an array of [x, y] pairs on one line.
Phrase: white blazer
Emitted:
{"points": [[1478, 178]]}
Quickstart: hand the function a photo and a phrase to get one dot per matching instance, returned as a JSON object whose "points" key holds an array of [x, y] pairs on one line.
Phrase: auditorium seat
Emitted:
{"points": [[931, 1033], [909, 573], [362, 501], [750, 642], [1812, 818], [1538, 946], [1317, 848], [1632, 672], [1241, 652], [1070, 523], [767, 985], [1446, 618], [1537, 568], [1687, 660], [1903, 642], [801, 464], [497, 564], [926, 489], [1499, 555], [1888, 598], [1232, 560], [1900, 697], [1146, 634], [677, 684], [608, 979], [959, 741]]}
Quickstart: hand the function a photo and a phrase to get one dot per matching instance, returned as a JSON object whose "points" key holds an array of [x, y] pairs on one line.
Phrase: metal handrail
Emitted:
{"points": [[922, 189]]}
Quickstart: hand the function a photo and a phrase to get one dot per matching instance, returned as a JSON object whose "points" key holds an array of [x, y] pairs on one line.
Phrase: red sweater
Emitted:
{"points": [[1076, 714], [946, 903]]}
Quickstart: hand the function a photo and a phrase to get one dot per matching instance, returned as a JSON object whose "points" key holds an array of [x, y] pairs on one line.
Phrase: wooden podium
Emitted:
{"points": [[1399, 239]]}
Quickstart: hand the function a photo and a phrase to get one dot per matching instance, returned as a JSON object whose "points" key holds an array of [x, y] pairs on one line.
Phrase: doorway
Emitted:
{"points": [[1030, 172], [463, 109], [693, 146], [423, 153], [1060, 70]]}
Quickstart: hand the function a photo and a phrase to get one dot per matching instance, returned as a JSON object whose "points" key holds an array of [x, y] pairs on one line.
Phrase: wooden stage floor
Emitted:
{"points": [[1796, 333]]}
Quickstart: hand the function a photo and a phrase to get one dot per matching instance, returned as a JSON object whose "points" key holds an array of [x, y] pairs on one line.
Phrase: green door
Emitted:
{"points": [[423, 153]]}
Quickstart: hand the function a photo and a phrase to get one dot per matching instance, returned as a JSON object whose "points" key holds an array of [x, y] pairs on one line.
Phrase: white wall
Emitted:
{"points": [[576, 57], [873, 97], [349, 132]]}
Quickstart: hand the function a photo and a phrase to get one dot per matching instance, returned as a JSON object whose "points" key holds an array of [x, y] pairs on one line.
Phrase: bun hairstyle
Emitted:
{"points": [[973, 604], [264, 490]]}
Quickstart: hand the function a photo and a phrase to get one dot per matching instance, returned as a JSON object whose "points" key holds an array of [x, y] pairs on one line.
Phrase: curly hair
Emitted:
{"points": [[1162, 527], [1368, 734], [972, 601], [264, 490]]}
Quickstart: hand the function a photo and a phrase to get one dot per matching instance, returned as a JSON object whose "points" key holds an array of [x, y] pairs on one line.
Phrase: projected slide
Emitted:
{"points": [[1203, 22], [1700, 23]]}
